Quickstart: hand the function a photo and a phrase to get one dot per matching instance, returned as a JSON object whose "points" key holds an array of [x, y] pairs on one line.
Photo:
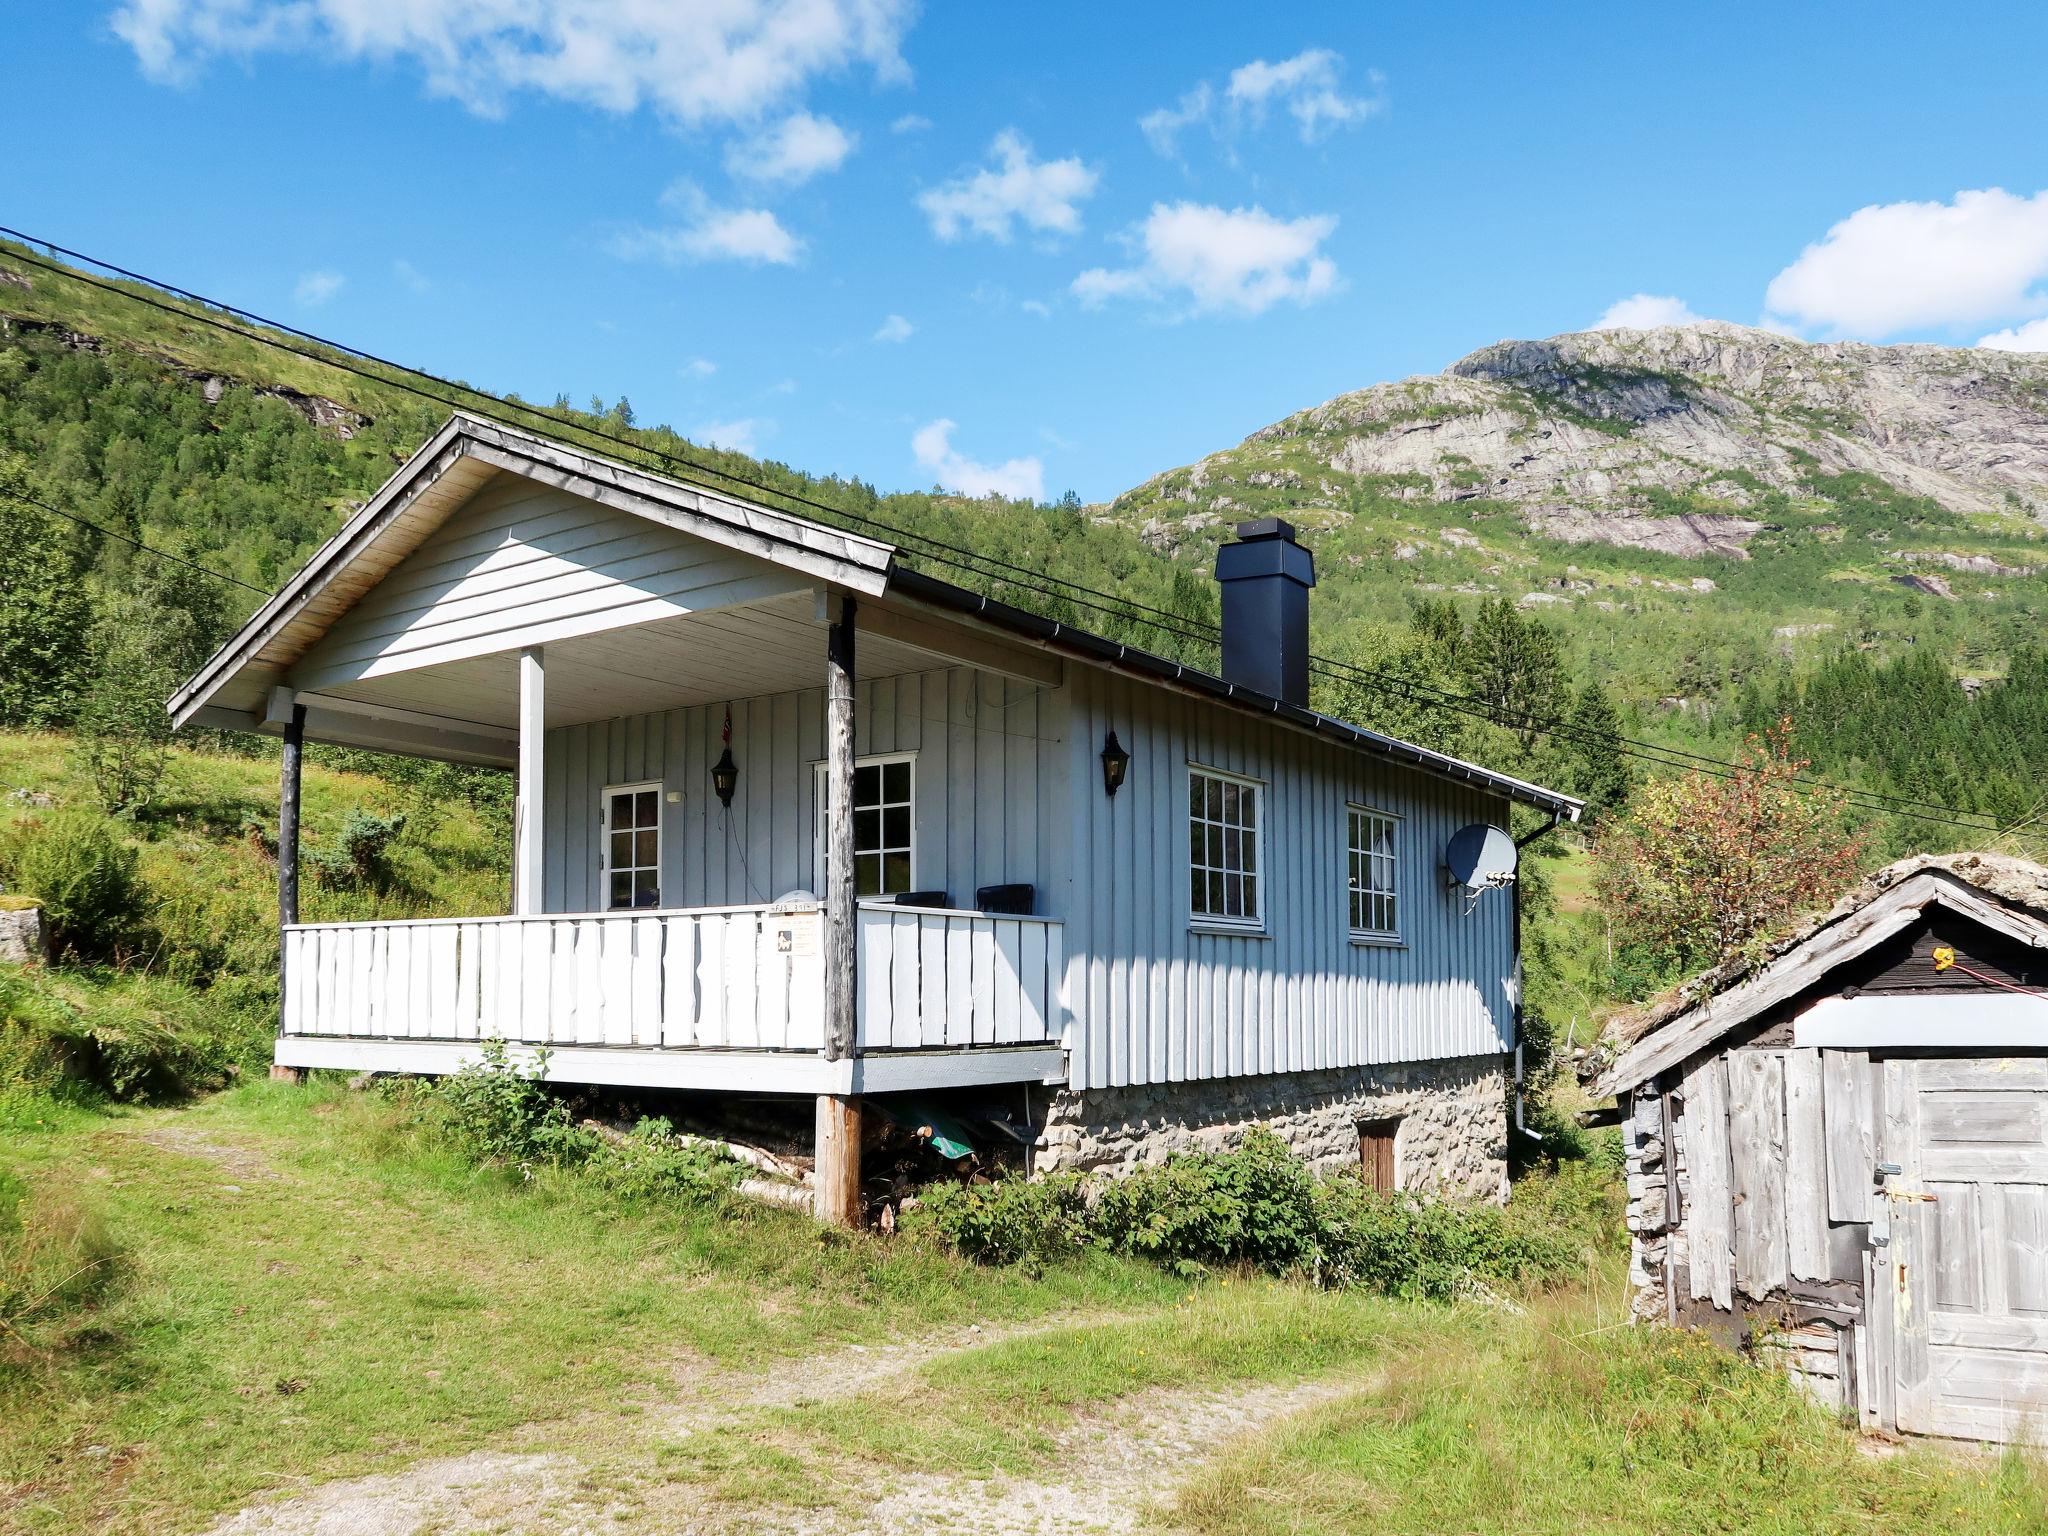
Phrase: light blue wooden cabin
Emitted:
{"points": [[1069, 863]]}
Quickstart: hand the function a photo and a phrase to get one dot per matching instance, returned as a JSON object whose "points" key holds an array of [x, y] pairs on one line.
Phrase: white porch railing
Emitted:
{"points": [[701, 978]]}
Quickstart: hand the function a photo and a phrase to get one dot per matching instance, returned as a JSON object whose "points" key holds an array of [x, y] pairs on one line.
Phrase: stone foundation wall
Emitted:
{"points": [[1453, 1136]]}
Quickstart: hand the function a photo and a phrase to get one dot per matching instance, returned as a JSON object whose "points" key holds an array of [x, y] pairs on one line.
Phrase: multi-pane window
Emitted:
{"points": [[1223, 849], [884, 792], [632, 845], [1371, 876]]}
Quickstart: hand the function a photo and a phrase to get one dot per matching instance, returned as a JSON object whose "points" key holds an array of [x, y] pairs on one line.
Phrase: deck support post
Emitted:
{"points": [[527, 868], [288, 777], [838, 1132], [838, 1151]]}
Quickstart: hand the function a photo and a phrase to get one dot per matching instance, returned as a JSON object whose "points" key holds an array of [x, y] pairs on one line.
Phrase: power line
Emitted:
{"points": [[1180, 626], [112, 533]]}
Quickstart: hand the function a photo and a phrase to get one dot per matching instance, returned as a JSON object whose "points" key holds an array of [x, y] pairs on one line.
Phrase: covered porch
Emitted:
{"points": [[770, 911]]}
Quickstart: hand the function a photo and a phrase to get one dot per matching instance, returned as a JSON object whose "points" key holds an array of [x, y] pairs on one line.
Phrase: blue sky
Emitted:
{"points": [[1032, 247]]}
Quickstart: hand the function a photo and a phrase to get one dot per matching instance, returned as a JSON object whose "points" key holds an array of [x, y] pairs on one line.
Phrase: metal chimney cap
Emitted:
{"points": [[1265, 528]]}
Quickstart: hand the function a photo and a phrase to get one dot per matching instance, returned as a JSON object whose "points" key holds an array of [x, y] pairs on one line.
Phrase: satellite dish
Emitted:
{"points": [[1480, 857]]}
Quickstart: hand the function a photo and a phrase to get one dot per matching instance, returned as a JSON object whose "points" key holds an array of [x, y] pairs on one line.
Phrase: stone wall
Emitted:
{"points": [[1453, 1135]]}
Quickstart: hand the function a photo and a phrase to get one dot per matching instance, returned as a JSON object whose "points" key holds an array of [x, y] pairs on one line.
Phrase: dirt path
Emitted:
{"points": [[537, 1491], [1115, 1469]]}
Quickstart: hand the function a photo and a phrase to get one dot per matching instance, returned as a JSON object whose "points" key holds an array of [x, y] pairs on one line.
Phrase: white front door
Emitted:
{"points": [[1969, 1270]]}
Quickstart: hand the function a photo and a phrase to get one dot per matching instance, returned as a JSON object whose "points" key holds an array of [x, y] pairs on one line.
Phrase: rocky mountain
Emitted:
{"points": [[1663, 440]]}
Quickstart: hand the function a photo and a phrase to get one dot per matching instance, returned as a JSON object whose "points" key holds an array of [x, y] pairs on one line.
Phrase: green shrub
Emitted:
{"points": [[1013, 1221], [1254, 1205], [361, 857], [1259, 1205], [506, 1117], [85, 875]]}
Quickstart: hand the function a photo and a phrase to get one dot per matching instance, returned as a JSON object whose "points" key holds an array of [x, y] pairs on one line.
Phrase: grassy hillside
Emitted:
{"points": [[185, 992]]}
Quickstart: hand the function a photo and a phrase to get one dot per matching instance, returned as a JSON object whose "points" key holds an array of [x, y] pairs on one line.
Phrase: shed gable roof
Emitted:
{"points": [[2008, 896]]}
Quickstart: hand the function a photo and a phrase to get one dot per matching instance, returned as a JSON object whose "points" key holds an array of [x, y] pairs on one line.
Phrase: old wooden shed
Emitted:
{"points": [[1842, 1154]]}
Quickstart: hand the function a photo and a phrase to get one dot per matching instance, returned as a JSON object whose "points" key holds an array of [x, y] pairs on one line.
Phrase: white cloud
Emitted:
{"points": [[699, 63], [316, 288], [1306, 86], [2031, 337], [1043, 195], [1645, 312], [1240, 259], [910, 122], [409, 276], [742, 436], [1162, 128], [1021, 479], [1037, 307], [1895, 267], [895, 328], [710, 233], [698, 368], [792, 152]]}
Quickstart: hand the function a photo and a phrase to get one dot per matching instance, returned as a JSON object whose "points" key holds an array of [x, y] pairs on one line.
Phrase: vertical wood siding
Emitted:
{"points": [[1154, 1001], [528, 560], [988, 798]]}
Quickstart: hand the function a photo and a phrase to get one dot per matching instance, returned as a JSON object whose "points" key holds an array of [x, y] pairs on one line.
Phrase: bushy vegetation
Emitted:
{"points": [[84, 875], [1706, 869], [164, 917], [1258, 1206], [504, 1116]]}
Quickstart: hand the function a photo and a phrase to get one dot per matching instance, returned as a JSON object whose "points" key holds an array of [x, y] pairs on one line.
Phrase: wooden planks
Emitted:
{"points": [[1756, 1169], [1710, 1219], [1806, 1213], [1849, 1108], [933, 978]]}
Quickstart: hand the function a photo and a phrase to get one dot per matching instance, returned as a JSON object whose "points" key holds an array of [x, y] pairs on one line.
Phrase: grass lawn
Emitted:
{"points": [[311, 1290], [311, 1293]]}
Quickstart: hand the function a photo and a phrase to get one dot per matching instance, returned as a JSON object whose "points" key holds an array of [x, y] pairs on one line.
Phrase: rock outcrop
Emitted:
{"points": [[1666, 440]]}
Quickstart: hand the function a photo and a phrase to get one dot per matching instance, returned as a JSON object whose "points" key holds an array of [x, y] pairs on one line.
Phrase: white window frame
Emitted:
{"points": [[819, 808], [1386, 937], [1261, 872], [604, 835]]}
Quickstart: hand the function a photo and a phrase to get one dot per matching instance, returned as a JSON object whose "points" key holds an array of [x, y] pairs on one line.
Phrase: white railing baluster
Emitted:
{"points": [[677, 980]]}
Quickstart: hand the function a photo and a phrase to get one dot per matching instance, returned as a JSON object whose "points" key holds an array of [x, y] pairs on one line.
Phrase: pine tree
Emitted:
{"points": [[1599, 770]]}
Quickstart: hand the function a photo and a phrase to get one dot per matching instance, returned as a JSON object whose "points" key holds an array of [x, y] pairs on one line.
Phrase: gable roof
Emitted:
{"points": [[2007, 895], [233, 685]]}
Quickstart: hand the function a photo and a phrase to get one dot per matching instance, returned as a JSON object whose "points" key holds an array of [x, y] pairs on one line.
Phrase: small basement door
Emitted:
{"points": [[1969, 1267]]}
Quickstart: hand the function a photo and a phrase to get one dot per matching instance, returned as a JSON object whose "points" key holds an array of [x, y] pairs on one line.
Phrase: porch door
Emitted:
{"points": [[1969, 1268]]}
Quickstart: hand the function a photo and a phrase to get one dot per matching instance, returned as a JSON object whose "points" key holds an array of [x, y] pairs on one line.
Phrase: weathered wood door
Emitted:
{"points": [[1969, 1270]]}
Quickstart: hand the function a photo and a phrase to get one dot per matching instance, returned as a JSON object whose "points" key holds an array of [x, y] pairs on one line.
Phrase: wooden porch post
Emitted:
{"points": [[527, 833], [838, 1126], [288, 858]]}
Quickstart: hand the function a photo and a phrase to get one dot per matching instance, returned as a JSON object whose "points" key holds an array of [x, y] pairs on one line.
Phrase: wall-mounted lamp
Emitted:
{"points": [[1116, 762], [725, 773]]}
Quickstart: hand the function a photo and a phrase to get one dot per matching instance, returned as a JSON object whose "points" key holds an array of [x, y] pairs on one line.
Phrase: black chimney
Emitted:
{"points": [[1266, 577]]}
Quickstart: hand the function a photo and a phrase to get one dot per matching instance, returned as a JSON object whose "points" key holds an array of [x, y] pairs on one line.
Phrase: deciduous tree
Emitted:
{"points": [[1704, 868]]}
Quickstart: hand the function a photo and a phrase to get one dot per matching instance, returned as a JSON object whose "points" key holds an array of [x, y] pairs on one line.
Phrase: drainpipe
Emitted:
{"points": [[1515, 894]]}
